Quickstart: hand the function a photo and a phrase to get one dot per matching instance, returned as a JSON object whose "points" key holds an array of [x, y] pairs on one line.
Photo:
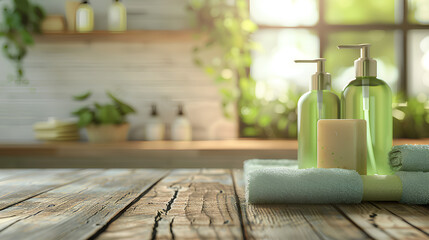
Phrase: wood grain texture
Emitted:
{"points": [[77, 210], [8, 173], [379, 223], [188, 204], [27, 184], [415, 215], [293, 221]]}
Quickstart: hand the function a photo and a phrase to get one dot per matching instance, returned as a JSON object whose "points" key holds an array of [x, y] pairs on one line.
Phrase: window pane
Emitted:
{"points": [[360, 11], [418, 11], [383, 49], [274, 64], [418, 62], [284, 12], [268, 106]]}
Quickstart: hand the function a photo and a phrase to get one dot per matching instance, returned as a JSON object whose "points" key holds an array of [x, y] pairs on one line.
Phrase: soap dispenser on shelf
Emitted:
{"points": [[318, 103], [117, 17], [369, 98], [84, 17], [181, 129], [154, 128]]}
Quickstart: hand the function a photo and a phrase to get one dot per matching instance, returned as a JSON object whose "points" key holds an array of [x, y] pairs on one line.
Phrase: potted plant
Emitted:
{"points": [[104, 122], [19, 21]]}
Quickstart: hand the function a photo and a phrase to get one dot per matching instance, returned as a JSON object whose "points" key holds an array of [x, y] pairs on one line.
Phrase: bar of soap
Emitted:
{"points": [[341, 143]]}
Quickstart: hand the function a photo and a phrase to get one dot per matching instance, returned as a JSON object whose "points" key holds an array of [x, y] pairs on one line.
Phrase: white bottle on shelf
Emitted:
{"points": [[155, 128], [181, 129], [117, 17], [84, 17]]}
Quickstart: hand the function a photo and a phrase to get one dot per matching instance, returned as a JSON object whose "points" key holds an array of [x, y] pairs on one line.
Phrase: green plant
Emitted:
{"points": [[411, 117], [225, 28], [19, 21], [113, 113]]}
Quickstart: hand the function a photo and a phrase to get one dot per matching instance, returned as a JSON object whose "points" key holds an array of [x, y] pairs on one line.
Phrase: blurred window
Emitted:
{"points": [[296, 29], [398, 31]]}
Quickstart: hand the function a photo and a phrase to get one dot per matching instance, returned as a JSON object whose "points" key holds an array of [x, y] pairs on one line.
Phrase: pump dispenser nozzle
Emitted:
{"points": [[321, 80], [365, 65]]}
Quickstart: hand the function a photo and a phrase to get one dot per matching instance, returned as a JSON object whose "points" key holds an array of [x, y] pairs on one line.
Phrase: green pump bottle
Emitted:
{"points": [[370, 98], [318, 103]]}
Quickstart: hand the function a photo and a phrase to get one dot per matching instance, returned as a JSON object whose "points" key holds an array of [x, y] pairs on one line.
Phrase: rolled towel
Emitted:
{"points": [[279, 181], [410, 158], [415, 187]]}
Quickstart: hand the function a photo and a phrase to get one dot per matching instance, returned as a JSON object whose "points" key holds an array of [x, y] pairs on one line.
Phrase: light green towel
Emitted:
{"points": [[411, 158], [280, 181]]}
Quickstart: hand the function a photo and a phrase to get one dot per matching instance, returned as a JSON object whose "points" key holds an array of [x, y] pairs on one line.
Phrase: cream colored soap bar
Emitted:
{"points": [[341, 143]]}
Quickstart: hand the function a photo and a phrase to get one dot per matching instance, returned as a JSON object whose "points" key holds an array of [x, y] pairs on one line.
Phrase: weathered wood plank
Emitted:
{"points": [[293, 221], [379, 223], [27, 184], [187, 204], [8, 173], [416, 215], [77, 210]]}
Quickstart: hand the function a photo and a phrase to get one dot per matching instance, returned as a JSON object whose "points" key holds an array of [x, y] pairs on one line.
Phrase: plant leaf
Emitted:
{"points": [[123, 107], [85, 119], [83, 96], [109, 114], [80, 111]]}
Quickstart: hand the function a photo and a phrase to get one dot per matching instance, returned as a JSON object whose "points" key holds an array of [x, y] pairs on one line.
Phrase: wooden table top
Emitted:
{"points": [[180, 204]]}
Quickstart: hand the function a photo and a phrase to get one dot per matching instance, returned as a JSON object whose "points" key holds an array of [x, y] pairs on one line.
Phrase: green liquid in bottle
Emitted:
{"points": [[308, 115], [370, 99]]}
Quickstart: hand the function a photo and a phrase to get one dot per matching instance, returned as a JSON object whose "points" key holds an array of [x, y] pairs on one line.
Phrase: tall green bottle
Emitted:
{"points": [[370, 98], [318, 103]]}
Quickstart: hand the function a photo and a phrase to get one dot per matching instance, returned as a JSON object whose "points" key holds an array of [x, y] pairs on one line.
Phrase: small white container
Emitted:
{"points": [[84, 17], [117, 17], [154, 128], [181, 129]]}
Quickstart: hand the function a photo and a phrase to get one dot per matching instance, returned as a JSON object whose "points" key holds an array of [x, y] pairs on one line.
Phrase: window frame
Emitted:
{"points": [[402, 26]]}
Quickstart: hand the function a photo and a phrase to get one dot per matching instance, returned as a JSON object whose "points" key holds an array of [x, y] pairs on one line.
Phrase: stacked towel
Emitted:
{"points": [[280, 181], [56, 130], [410, 158], [415, 187]]}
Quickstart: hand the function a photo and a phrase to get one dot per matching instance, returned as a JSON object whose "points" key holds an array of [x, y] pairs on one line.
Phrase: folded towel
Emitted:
{"points": [[279, 181], [410, 158], [415, 187]]}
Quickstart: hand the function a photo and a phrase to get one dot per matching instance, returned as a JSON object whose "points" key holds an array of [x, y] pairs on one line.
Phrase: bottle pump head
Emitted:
{"points": [[365, 65], [321, 80]]}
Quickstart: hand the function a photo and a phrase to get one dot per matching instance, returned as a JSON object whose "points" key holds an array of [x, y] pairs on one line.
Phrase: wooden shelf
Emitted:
{"points": [[162, 154], [132, 35]]}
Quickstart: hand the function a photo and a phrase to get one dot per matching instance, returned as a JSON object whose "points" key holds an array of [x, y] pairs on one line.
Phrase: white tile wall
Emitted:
{"points": [[140, 73]]}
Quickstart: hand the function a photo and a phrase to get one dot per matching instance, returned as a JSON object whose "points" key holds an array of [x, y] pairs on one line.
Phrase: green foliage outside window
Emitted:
{"points": [[226, 27], [360, 11]]}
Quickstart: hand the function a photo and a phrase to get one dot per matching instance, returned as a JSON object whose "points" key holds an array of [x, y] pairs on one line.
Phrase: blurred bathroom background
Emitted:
{"points": [[228, 62]]}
